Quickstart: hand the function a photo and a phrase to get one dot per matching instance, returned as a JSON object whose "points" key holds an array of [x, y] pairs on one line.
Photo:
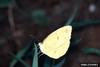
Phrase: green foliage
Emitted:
{"points": [[5, 3], [18, 57], [22, 53], [35, 56], [84, 23], [91, 51], [72, 16], [40, 17]]}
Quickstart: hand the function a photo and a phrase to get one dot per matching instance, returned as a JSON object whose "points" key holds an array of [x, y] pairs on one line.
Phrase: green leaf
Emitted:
{"points": [[35, 57], [74, 13], [40, 17], [84, 23], [72, 16], [18, 59], [91, 51], [19, 55], [5, 3]]}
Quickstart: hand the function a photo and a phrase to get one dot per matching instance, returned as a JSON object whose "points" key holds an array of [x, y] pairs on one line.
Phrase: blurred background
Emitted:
{"points": [[25, 21]]}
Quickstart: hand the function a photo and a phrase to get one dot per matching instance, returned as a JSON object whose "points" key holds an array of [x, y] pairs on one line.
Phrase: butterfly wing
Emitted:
{"points": [[57, 43]]}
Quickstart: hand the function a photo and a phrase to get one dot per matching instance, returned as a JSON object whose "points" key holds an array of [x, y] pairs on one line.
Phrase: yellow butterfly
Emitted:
{"points": [[57, 43]]}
